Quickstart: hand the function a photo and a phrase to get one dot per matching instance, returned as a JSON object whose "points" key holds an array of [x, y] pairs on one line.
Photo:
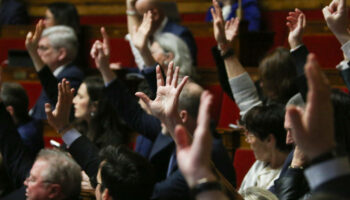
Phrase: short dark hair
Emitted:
{"points": [[126, 174], [13, 94], [65, 14], [264, 120], [278, 72]]}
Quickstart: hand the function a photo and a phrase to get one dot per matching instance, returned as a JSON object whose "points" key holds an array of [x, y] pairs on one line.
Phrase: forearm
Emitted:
{"points": [[233, 67], [132, 17], [107, 74], [38, 63]]}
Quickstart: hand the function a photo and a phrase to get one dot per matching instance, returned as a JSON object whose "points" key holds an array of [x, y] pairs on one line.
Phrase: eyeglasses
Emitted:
{"points": [[43, 48], [32, 179]]}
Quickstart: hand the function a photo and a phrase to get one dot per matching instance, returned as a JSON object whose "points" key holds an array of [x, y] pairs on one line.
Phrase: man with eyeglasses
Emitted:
{"points": [[53, 51]]}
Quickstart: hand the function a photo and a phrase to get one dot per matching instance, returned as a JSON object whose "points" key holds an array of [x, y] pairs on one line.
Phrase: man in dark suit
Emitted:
{"points": [[13, 12], [53, 50]]}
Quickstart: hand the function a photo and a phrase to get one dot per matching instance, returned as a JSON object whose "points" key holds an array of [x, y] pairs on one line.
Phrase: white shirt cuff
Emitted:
{"points": [[343, 65], [326, 171], [70, 136], [296, 48], [346, 49]]}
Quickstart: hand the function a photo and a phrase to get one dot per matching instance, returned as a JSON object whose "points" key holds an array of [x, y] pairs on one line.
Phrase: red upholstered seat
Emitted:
{"points": [[229, 112], [243, 160]]}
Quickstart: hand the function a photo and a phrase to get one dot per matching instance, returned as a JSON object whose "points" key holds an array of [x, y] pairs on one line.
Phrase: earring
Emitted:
{"points": [[92, 114]]}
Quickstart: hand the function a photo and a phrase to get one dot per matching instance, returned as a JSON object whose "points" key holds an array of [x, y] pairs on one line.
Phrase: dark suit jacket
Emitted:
{"points": [[49, 82], [13, 12], [17, 159], [345, 74], [184, 34]]}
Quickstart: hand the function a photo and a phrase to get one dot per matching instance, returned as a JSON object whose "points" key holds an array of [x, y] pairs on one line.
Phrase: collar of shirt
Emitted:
{"points": [[162, 25], [58, 70]]}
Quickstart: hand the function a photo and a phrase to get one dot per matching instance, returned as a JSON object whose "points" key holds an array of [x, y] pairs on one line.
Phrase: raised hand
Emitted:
{"points": [[218, 24], [100, 52], [32, 40], [194, 157], [336, 16], [231, 29], [296, 22], [164, 107], [313, 129], [59, 118], [142, 33]]}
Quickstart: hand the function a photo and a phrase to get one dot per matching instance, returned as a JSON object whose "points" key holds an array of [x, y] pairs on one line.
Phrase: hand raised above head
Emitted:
{"points": [[165, 104], [32, 40], [100, 51], [336, 16], [314, 132], [59, 118], [142, 33], [231, 29], [218, 23], [296, 23]]}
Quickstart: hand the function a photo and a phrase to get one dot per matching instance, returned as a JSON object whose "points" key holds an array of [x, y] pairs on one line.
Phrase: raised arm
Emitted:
{"points": [[133, 17], [118, 94], [336, 16], [140, 39], [80, 147], [243, 88], [164, 107], [32, 45]]}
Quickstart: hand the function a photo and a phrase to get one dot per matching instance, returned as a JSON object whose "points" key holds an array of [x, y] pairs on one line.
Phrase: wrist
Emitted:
{"points": [[64, 128], [224, 46], [343, 38], [295, 43], [200, 176]]}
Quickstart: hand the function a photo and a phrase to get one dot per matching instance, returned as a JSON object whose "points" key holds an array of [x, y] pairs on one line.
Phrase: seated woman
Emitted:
{"points": [[96, 118], [266, 136]]}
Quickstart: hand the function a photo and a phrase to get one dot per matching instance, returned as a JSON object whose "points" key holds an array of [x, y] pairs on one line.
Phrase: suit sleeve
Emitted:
{"points": [[131, 111], [173, 187], [49, 84], [345, 74], [15, 155], [85, 153], [299, 56]]}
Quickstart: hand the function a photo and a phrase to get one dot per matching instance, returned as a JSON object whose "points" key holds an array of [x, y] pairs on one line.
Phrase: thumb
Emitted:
{"points": [[296, 120], [143, 97], [181, 137], [326, 12], [48, 112]]}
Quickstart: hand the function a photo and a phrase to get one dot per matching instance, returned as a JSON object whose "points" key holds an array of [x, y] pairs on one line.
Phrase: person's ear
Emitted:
{"points": [[169, 56], [62, 54], [55, 191], [11, 110], [105, 194], [183, 116], [271, 140]]}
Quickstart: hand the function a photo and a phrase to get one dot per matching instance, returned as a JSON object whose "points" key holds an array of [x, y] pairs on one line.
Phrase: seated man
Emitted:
{"points": [[16, 101], [160, 24], [53, 50]]}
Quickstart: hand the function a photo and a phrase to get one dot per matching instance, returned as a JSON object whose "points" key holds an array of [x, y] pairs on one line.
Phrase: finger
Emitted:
{"points": [[326, 12], [213, 13], [29, 36], [67, 87], [144, 98], [181, 86], [38, 30], [93, 51], [176, 77], [169, 76], [289, 25], [160, 81], [300, 21], [204, 108], [105, 41], [296, 122], [341, 5], [182, 138], [303, 17]]}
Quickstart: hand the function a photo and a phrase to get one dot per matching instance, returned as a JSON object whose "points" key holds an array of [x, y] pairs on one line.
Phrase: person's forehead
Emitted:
{"points": [[44, 40], [38, 167]]}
